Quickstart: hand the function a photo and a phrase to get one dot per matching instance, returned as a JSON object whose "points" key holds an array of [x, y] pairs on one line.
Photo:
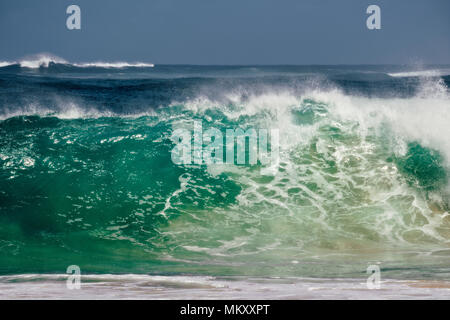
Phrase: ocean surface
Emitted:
{"points": [[87, 179]]}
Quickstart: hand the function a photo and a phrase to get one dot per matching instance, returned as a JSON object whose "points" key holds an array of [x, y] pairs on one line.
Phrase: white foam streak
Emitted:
{"points": [[6, 63], [366, 125], [421, 73], [41, 60], [137, 286], [114, 65], [420, 119], [44, 60]]}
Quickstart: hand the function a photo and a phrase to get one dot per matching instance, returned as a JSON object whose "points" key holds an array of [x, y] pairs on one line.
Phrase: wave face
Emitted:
{"points": [[86, 175]]}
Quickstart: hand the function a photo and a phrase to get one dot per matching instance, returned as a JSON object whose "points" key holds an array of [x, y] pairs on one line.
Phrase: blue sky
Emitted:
{"points": [[229, 31]]}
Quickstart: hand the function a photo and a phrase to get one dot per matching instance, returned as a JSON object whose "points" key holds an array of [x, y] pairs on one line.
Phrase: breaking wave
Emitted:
{"points": [[86, 175], [47, 60]]}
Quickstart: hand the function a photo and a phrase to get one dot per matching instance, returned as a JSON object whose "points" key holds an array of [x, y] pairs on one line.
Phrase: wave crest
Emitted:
{"points": [[44, 60]]}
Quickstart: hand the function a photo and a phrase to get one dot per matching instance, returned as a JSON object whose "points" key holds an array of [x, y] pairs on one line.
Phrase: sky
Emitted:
{"points": [[229, 32]]}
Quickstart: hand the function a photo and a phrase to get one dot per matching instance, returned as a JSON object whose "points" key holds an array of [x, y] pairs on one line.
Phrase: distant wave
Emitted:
{"points": [[423, 73], [6, 63], [46, 60], [114, 65], [362, 174]]}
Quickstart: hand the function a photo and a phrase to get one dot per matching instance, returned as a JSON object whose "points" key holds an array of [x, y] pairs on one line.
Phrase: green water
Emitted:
{"points": [[104, 194]]}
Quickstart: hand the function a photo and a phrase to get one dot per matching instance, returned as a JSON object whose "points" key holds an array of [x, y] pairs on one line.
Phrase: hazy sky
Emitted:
{"points": [[229, 31]]}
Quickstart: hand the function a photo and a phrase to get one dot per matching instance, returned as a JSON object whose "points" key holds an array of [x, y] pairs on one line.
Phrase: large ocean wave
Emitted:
{"points": [[86, 175]]}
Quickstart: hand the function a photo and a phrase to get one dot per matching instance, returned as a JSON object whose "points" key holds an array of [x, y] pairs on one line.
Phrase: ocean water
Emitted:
{"points": [[87, 179]]}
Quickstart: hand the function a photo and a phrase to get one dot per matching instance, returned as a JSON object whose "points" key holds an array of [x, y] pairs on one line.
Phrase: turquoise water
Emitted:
{"points": [[86, 176]]}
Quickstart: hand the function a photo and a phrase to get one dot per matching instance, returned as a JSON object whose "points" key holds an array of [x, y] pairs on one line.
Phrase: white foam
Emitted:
{"points": [[40, 60], [114, 65], [421, 73], [44, 60], [65, 110], [6, 63], [364, 179]]}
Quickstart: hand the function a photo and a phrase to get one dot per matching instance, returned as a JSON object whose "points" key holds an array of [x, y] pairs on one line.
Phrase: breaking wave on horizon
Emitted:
{"points": [[51, 61]]}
